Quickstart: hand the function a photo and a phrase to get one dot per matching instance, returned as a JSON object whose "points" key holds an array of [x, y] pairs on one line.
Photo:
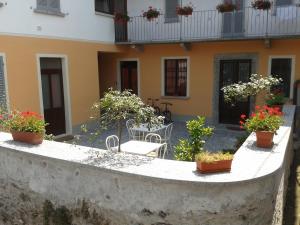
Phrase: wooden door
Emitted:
{"points": [[233, 71], [129, 76], [53, 101]]}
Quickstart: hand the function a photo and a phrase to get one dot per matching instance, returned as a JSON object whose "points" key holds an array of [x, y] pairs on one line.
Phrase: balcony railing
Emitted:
{"points": [[211, 25]]}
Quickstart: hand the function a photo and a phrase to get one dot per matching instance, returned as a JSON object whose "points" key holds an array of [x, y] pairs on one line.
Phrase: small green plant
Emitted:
{"points": [[210, 157], [187, 149], [264, 119]]}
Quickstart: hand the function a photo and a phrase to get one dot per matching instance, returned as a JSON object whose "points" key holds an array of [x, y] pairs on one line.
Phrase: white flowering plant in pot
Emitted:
{"points": [[241, 91]]}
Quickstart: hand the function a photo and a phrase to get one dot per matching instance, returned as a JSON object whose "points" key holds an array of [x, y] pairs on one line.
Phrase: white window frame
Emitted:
{"points": [[119, 72], [163, 77], [3, 55], [66, 88], [293, 58]]}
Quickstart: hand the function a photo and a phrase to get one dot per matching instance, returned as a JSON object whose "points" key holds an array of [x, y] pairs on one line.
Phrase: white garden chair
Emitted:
{"points": [[131, 133], [154, 138], [112, 142], [166, 136]]}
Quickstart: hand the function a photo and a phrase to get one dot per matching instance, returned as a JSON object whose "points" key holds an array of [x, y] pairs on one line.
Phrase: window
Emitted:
{"points": [[170, 11], [175, 77], [48, 5], [284, 2], [3, 97], [104, 6], [282, 67]]}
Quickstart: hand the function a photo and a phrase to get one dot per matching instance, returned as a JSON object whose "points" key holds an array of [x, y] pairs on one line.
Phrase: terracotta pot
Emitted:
{"points": [[218, 166], [264, 139], [27, 137]]}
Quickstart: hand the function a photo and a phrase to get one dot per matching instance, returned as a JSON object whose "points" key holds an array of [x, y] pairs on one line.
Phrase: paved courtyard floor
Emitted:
{"points": [[222, 138]]}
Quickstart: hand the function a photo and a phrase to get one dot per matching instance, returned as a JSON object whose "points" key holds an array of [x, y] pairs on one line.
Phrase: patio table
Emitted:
{"points": [[139, 147]]}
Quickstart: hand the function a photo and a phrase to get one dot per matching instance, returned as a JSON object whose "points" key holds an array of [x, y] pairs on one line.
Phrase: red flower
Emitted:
{"points": [[257, 107], [243, 116]]}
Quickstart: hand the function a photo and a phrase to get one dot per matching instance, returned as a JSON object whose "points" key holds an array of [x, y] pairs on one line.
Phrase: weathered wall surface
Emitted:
{"points": [[155, 192]]}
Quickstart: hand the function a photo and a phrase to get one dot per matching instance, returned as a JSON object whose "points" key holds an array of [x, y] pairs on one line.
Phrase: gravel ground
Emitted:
{"points": [[222, 138]]}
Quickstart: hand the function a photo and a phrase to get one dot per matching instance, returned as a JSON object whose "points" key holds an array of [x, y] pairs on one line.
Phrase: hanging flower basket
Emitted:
{"points": [[121, 18], [185, 10], [151, 13], [261, 4], [227, 6]]}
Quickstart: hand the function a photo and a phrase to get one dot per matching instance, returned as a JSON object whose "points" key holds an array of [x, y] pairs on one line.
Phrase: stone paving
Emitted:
{"points": [[222, 138]]}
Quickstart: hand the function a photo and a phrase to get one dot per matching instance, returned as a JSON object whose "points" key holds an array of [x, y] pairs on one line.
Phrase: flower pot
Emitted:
{"points": [[27, 137], [264, 139], [218, 166]]}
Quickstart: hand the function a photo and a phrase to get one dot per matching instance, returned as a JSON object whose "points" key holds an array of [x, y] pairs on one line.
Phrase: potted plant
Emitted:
{"points": [[276, 99], [264, 122], [121, 18], [151, 13], [214, 162], [187, 149], [26, 126], [226, 6], [261, 4], [184, 10]]}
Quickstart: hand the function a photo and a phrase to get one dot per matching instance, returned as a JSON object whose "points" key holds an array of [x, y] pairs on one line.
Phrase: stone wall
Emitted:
{"points": [[57, 183]]}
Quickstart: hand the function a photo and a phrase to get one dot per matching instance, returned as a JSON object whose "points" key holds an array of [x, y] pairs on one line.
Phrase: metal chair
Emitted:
{"points": [[159, 153], [112, 143], [166, 138], [154, 138], [132, 134]]}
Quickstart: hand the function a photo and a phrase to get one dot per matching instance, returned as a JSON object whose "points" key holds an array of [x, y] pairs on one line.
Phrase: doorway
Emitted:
{"points": [[129, 76], [53, 95], [233, 71], [233, 22]]}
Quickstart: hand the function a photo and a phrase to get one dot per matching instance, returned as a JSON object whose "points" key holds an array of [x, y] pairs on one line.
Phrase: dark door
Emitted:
{"points": [[53, 101], [233, 22], [282, 67], [129, 79], [233, 71]]}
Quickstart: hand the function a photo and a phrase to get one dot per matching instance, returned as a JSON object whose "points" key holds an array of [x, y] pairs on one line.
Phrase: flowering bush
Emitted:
{"points": [[264, 119], [24, 122], [261, 4], [185, 10], [227, 6], [241, 91], [121, 18], [151, 13], [276, 97]]}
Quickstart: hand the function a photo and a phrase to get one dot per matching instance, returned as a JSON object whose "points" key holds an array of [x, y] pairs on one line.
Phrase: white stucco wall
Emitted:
{"points": [[80, 22]]}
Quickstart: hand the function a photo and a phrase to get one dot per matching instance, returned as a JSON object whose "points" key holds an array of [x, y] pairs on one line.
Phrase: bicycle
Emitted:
{"points": [[167, 113], [152, 104]]}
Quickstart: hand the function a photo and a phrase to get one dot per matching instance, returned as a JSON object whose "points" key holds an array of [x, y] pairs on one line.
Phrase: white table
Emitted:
{"points": [[139, 147]]}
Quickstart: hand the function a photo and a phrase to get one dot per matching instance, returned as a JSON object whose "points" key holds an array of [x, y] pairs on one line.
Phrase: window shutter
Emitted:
{"points": [[54, 5], [41, 4], [170, 11], [3, 102]]}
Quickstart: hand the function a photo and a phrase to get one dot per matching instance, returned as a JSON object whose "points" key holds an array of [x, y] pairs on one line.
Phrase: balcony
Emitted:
{"points": [[210, 25]]}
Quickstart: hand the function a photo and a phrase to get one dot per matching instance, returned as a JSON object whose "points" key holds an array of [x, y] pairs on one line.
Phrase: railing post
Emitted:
{"points": [[267, 26]]}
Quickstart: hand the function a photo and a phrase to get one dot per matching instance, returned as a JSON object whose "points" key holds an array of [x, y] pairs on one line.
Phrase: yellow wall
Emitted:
{"points": [[21, 58], [201, 68]]}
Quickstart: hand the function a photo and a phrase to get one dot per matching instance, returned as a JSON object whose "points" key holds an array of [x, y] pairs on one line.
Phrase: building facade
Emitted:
{"points": [[49, 57], [186, 60]]}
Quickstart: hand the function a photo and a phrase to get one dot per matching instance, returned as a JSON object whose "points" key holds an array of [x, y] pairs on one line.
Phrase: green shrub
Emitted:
{"points": [[210, 157], [187, 149]]}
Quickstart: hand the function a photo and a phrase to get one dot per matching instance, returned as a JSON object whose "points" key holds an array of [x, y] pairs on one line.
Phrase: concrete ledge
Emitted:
{"points": [[248, 195]]}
